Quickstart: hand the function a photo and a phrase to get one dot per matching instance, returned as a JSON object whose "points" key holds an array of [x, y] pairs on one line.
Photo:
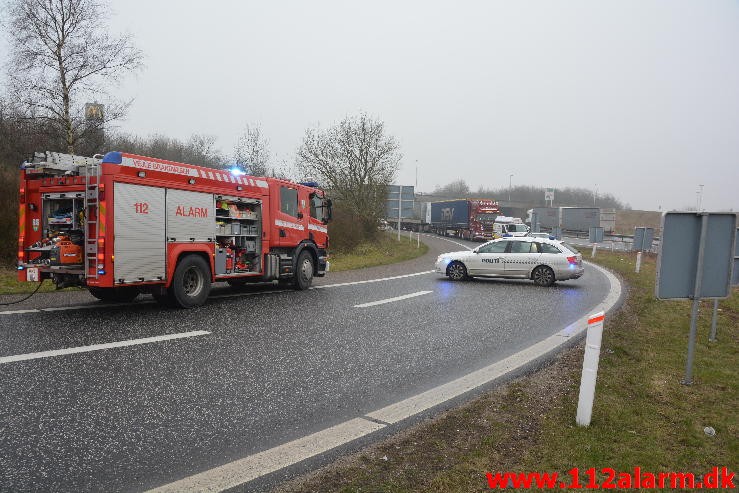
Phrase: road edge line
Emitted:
{"points": [[254, 466]]}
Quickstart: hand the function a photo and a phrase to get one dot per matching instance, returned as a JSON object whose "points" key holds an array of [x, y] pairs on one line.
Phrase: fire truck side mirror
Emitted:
{"points": [[329, 211]]}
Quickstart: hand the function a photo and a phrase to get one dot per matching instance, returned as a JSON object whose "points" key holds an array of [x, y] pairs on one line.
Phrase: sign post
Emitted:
{"points": [[590, 369], [596, 236], [688, 380], [400, 209]]}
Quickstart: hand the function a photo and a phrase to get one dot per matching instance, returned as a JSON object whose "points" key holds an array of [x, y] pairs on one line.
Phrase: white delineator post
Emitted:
{"points": [[595, 248], [590, 369], [638, 262]]}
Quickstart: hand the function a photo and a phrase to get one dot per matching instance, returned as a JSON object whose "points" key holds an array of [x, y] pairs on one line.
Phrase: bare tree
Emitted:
{"points": [[200, 149], [455, 189], [62, 56], [355, 160], [252, 151]]}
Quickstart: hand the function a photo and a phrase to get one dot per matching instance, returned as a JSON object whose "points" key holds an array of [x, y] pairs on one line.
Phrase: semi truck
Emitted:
{"points": [[123, 224], [470, 219], [576, 219]]}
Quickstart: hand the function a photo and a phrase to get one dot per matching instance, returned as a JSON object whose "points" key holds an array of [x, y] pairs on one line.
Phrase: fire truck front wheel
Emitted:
{"points": [[122, 294], [304, 271], [191, 283]]}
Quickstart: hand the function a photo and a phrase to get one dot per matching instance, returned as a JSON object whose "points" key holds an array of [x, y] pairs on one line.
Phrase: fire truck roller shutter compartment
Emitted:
{"points": [[190, 216], [140, 244]]}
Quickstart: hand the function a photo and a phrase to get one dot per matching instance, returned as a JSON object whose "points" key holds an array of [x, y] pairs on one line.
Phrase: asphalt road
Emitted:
{"points": [[274, 366]]}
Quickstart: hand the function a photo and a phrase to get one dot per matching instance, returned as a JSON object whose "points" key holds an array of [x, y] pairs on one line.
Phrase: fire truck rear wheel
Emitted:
{"points": [[122, 294], [191, 283], [303, 271]]}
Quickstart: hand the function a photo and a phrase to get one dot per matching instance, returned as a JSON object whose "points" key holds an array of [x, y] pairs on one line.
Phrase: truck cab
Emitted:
{"points": [[509, 226]]}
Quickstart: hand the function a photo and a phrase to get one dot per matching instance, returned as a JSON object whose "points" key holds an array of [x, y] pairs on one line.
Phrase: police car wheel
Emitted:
{"points": [[543, 276], [456, 271]]}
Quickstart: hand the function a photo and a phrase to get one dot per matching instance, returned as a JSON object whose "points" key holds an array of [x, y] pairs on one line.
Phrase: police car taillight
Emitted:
{"points": [[572, 260]]}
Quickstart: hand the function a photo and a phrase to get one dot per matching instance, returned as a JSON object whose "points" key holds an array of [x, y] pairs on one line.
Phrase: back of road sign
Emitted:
{"points": [[596, 234], [643, 238], [735, 279], [677, 261]]}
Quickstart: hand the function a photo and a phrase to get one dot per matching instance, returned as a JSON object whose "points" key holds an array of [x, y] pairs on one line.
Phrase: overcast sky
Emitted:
{"points": [[639, 99]]}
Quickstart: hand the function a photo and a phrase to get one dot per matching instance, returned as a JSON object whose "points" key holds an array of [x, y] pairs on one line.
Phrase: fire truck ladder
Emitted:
{"points": [[92, 217]]}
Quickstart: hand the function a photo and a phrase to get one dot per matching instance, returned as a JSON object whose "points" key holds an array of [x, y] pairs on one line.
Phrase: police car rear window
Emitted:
{"points": [[570, 247], [547, 248]]}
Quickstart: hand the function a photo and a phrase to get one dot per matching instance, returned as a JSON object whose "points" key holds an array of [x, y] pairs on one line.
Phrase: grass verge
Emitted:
{"points": [[9, 283], [388, 250], [643, 416]]}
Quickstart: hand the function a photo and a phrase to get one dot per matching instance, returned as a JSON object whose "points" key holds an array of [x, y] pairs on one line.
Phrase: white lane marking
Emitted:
{"points": [[13, 312], [239, 295], [251, 467], [373, 280], [390, 300], [74, 307], [98, 347], [426, 400], [230, 295], [257, 465], [450, 241], [96, 305]]}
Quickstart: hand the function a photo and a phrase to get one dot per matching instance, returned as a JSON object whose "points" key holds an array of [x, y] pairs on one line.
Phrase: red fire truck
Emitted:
{"points": [[123, 224]]}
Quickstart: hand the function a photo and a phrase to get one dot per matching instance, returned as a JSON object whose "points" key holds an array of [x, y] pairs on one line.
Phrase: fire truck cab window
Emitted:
{"points": [[316, 207], [289, 201]]}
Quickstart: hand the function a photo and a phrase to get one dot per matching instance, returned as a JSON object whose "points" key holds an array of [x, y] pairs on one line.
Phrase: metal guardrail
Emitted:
{"points": [[620, 243]]}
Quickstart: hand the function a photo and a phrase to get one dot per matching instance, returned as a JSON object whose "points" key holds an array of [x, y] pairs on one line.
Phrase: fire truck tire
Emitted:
{"points": [[191, 283], [119, 294], [303, 271]]}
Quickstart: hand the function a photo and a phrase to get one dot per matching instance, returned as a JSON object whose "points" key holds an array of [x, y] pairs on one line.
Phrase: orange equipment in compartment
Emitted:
{"points": [[65, 252]]}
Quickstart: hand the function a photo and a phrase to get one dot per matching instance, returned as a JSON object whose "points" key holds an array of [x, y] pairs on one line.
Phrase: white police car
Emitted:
{"points": [[542, 260]]}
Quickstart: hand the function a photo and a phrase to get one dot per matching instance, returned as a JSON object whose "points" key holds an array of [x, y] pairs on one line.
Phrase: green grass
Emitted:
{"points": [[9, 283], [642, 416], [388, 250]]}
